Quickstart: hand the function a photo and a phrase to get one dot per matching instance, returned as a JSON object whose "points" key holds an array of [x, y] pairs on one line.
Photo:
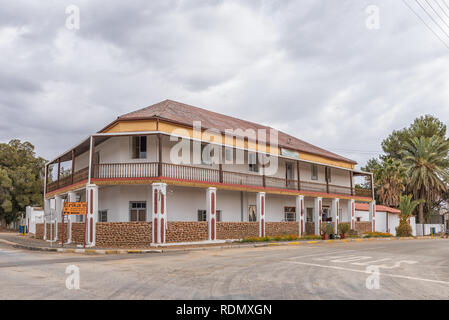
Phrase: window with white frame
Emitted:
{"points": [[289, 213], [329, 174], [252, 213], [252, 162], [137, 211], [314, 172], [228, 154], [139, 147], [309, 217], [102, 215], [206, 154], [202, 215]]}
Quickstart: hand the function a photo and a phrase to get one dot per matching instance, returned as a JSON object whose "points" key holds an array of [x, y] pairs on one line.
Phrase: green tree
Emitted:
{"points": [[424, 126], [426, 160], [21, 179]]}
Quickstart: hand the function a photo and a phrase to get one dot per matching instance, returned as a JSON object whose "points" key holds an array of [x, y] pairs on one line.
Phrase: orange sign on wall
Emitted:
{"points": [[74, 208]]}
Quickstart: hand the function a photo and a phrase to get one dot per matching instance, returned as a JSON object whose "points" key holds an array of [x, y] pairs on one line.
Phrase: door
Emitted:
{"points": [[289, 175]]}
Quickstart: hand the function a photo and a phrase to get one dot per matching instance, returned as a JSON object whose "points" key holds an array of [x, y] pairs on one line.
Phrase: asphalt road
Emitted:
{"points": [[408, 269]]}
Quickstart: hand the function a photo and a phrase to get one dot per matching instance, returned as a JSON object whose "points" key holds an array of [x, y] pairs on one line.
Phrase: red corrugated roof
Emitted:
{"points": [[379, 208], [185, 114]]}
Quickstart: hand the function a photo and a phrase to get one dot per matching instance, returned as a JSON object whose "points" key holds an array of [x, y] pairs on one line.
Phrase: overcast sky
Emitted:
{"points": [[310, 68]]}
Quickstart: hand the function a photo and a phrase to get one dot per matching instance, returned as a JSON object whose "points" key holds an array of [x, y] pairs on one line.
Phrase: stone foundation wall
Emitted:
{"points": [[363, 226], [237, 230], [123, 234], [183, 231], [281, 228], [77, 232]]}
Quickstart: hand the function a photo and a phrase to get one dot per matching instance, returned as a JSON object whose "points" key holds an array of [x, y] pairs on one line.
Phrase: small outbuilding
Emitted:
{"points": [[386, 220]]}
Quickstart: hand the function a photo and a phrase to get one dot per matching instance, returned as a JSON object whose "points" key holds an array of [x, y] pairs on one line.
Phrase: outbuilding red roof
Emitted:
{"points": [[379, 208], [185, 114]]}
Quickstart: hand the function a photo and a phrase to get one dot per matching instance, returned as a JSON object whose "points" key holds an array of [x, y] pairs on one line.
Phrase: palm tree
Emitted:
{"points": [[407, 206], [390, 178], [427, 163]]}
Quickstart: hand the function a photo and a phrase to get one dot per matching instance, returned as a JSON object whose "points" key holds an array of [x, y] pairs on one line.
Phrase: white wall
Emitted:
{"points": [[427, 228], [32, 217], [381, 222]]}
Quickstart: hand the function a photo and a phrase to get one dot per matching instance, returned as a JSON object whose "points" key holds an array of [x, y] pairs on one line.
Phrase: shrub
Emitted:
{"points": [[310, 237], [326, 228], [343, 228], [404, 229], [377, 235]]}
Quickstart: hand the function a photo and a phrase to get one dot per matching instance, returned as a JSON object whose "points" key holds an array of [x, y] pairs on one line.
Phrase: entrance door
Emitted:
{"points": [[289, 174]]}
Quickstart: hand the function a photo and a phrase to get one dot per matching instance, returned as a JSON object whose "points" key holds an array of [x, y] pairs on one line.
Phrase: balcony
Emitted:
{"points": [[191, 173]]}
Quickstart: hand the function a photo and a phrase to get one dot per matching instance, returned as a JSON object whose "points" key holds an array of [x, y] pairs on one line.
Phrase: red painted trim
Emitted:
{"points": [[302, 208], [155, 201], [212, 225], [155, 230], [91, 230], [212, 199], [262, 227], [91, 201], [162, 230], [64, 188], [162, 203], [262, 205]]}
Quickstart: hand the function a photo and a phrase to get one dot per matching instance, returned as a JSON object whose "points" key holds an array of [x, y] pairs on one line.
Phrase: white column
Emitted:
{"points": [[92, 212], [46, 215], [300, 215], [261, 215], [372, 215], [317, 215], [336, 214], [58, 213], [159, 212], [71, 197], [211, 205], [351, 207]]}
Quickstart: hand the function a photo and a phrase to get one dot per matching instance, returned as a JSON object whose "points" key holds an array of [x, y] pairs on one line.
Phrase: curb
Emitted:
{"points": [[246, 245]]}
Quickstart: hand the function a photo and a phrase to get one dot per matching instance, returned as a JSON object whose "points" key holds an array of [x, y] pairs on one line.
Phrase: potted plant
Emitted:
{"points": [[343, 229], [326, 230]]}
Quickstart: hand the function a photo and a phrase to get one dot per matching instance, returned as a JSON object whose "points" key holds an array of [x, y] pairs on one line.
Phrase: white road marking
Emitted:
{"points": [[369, 262], [397, 264], [368, 272], [354, 258], [320, 254]]}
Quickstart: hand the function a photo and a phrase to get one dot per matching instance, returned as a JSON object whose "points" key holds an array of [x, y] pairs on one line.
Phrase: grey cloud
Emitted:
{"points": [[310, 68]]}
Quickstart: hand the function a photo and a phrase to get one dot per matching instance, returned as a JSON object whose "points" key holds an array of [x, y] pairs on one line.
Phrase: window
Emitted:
{"points": [[252, 162], [358, 219], [218, 213], [309, 214], [314, 172], [228, 154], [329, 174], [252, 213], [202, 215], [103, 216], [139, 147], [138, 211], [289, 213], [205, 154]]}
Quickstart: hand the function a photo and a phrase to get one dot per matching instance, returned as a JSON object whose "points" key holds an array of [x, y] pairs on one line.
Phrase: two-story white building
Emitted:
{"points": [[172, 172]]}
